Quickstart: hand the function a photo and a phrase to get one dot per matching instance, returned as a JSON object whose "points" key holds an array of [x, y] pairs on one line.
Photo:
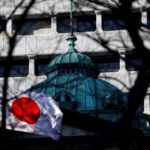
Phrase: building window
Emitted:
{"points": [[33, 26], [18, 68], [148, 19], [84, 23], [2, 25], [107, 63], [133, 62], [65, 101], [41, 66], [116, 21]]}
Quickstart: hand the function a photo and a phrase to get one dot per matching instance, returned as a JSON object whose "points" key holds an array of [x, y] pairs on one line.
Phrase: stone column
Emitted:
{"points": [[122, 62], [9, 27], [31, 65], [144, 18], [53, 24], [98, 21], [147, 104]]}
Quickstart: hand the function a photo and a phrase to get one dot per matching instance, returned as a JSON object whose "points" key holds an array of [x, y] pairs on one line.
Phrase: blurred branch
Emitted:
{"points": [[15, 9], [12, 42]]}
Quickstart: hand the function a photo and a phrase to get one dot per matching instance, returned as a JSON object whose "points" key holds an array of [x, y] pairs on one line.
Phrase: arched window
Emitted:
{"points": [[65, 101]]}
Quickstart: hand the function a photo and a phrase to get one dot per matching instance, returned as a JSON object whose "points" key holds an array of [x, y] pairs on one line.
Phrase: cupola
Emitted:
{"points": [[72, 59]]}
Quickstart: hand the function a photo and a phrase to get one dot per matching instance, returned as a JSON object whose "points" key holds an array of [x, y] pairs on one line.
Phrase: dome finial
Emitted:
{"points": [[71, 37], [72, 40]]}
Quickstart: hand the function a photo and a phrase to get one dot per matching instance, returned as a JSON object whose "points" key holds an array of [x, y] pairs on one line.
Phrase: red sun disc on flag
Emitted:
{"points": [[25, 109]]}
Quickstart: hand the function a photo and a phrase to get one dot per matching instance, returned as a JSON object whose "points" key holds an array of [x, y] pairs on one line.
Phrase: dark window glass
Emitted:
{"points": [[41, 65], [148, 19], [65, 101], [32, 26], [133, 62], [80, 23], [107, 63], [1, 69], [18, 68], [86, 23], [112, 22], [116, 22], [2, 25]]}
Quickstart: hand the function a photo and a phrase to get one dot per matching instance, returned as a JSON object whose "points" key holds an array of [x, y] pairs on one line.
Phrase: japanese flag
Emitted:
{"points": [[34, 113]]}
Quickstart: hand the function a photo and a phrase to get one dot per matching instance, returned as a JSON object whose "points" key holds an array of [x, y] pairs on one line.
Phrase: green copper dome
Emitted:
{"points": [[71, 58], [73, 82]]}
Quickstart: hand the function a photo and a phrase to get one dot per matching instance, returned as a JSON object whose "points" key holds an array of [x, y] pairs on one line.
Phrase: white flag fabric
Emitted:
{"points": [[34, 113]]}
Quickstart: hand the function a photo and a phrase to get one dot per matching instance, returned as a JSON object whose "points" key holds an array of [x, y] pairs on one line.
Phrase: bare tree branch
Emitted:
{"points": [[12, 42]]}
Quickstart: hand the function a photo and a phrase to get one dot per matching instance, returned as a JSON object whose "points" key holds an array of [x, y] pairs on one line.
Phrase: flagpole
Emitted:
{"points": [[71, 17]]}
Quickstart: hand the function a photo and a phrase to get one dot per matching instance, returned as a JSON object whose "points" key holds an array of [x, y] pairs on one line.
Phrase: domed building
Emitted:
{"points": [[72, 81], [91, 106]]}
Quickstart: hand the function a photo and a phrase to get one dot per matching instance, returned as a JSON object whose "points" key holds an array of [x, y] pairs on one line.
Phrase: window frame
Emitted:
{"points": [[16, 64], [78, 19], [40, 70], [107, 60], [3, 23], [131, 62], [31, 21], [115, 18]]}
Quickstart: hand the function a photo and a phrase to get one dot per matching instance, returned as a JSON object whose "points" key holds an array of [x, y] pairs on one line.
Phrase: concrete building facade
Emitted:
{"points": [[97, 28], [44, 36]]}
